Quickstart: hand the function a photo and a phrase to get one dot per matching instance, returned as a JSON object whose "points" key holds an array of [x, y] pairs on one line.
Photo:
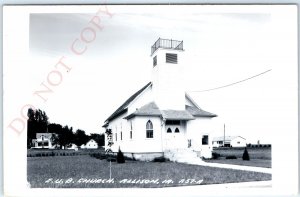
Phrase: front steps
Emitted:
{"points": [[183, 156]]}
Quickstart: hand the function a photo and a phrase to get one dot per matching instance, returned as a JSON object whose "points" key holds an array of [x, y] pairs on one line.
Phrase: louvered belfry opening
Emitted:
{"points": [[154, 61], [171, 58]]}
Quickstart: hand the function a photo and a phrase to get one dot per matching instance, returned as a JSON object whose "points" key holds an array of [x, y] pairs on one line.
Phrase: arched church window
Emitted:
{"points": [[169, 130], [176, 130], [149, 129]]}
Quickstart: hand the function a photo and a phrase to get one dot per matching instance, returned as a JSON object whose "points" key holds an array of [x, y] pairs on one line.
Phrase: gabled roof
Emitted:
{"points": [[199, 112], [176, 115], [123, 108], [151, 109], [227, 138], [91, 140]]}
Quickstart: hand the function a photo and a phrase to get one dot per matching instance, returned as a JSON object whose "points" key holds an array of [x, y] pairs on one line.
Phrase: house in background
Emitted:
{"points": [[43, 140], [72, 147], [230, 141], [82, 146], [161, 117], [92, 144]]}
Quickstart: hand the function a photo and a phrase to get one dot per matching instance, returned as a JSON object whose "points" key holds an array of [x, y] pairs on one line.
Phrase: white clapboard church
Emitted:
{"points": [[161, 117]]}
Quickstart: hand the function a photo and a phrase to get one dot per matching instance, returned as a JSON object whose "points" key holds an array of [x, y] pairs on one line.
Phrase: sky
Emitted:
{"points": [[221, 46]]}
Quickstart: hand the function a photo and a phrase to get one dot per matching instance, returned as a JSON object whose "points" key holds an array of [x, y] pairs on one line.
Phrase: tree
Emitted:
{"points": [[55, 140], [246, 155], [55, 128], [120, 157], [37, 122], [80, 137], [66, 137], [99, 138]]}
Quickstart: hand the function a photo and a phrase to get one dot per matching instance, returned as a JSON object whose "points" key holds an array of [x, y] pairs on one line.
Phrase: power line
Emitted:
{"points": [[224, 86]]}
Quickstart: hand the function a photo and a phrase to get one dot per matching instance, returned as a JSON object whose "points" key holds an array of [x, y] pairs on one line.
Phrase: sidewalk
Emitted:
{"points": [[189, 157], [236, 167]]}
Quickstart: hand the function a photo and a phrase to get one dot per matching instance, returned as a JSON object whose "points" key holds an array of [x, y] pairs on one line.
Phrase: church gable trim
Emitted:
{"points": [[123, 108]]}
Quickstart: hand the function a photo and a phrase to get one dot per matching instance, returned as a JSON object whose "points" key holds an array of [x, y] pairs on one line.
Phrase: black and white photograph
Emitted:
{"points": [[180, 97]]}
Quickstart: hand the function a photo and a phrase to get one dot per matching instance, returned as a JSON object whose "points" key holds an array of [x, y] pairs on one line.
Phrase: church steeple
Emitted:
{"points": [[167, 74]]}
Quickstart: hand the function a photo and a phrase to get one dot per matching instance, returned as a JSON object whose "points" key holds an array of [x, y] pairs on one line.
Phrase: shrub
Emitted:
{"points": [[120, 157], [215, 155], [112, 159], [231, 157], [129, 158], [102, 156], [96, 155], [246, 155], [160, 159], [110, 156]]}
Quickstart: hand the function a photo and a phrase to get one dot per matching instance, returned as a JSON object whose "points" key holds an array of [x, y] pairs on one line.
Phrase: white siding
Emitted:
{"points": [[139, 143], [92, 144], [238, 142], [168, 83], [117, 125], [215, 144], [195, 130], [141, 100]]}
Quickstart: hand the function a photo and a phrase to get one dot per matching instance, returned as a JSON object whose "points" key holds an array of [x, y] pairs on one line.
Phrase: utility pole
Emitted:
{"points": [[224, 136], [110, 169]]}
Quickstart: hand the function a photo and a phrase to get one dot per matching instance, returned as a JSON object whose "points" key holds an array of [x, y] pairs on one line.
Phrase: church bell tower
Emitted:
{"points": [[167, 74]]}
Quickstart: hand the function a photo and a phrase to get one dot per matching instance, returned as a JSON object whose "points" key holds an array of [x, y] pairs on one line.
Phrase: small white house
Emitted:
{"points": [[161, 116], [82, 146], [92, 144], [230, 141], [72, 147], [43, 141]]}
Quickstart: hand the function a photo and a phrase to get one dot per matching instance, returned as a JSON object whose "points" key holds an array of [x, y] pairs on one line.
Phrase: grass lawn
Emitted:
{"points": [[84, 171], [259, 156], [254, 153], [60, 152]]}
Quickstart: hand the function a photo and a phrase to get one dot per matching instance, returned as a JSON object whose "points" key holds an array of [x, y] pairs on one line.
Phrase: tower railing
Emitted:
{"points": [[167, 44]]}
